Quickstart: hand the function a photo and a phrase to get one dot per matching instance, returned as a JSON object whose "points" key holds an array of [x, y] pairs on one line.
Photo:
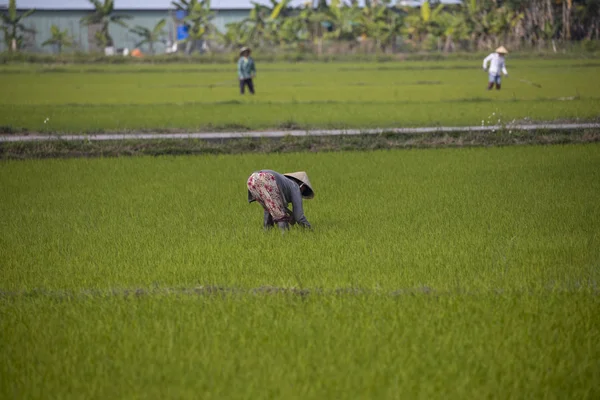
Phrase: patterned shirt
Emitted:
{"points": [[290, 193]]}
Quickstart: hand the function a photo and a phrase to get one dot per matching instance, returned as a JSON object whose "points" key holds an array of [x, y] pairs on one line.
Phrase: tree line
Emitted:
{"points": [[469, 26]]}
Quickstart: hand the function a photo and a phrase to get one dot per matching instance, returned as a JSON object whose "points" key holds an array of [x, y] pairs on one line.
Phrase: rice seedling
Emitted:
{"points": [[457, 273], [338, 95]]}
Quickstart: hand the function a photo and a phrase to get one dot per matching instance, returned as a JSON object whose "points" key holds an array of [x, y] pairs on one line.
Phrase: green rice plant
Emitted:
{"points": [[259, 346], [481, 218], [199, 98], [454, 273]]}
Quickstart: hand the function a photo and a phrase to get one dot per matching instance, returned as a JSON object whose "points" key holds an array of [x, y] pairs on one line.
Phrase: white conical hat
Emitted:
{"points": [[501, 50], [302, 177]]}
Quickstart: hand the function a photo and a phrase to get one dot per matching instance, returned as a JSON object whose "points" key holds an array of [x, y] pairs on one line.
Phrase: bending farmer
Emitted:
{"points": [[497, 64], [246, 70], [274, 191]]}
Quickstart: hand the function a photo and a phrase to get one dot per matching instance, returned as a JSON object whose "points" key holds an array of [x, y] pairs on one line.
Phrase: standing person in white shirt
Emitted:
{"points": [[496, 61]]}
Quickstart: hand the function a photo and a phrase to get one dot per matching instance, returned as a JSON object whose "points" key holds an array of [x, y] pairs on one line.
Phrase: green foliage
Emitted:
{"points": [[59, 38], [467, 273], [591, 45], [378, 26], [150, 36], [233, 36], [381, 24], [425, 11], [199, 22], [258, 26], [277, 8], [345, 21], [103, 15], [12, 27], [473, 25]]}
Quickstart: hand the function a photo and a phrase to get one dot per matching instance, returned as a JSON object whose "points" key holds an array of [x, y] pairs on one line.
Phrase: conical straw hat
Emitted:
{"points": [[501, 50], [243, 49], [303, 178]]}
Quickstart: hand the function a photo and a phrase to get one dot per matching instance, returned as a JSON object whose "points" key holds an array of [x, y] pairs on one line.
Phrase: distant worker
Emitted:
{"points": [[246, 70], [274, 191], [497, 64]]}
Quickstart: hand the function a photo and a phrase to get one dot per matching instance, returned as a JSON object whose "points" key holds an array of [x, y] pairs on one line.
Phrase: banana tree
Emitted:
{"points": [[291, 32], [13, 28], [450, 29], [198, 21], [150, 36], [419, 24], [281, 27], [313, 21], [103, 15], [274, 23], [257, 25], [471, 12], [187, 6], [345, 21], [380, 23], [279, 9], [503, 22], [198, 33], [389, 30], [59, 39], [234, 36]]}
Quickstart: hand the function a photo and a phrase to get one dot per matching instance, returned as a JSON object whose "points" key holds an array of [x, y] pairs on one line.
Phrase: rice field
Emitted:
{"points": [[125, 98], [448, 273]]}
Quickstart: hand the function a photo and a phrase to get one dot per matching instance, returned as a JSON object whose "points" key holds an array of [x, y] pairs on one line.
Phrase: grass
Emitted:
{"points": [[454, 273], [581, 50], [291, 144], [100, 98], [284, 347]]}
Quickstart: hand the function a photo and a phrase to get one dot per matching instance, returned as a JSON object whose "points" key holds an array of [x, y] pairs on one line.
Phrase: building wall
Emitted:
{"points": [[41, 21]]}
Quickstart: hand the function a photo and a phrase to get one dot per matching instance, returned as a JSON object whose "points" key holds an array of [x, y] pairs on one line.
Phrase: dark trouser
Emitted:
{"points": [[244, 82]]}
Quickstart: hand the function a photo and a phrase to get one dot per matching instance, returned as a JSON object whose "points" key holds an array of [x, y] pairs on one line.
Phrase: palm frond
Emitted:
{"points": [[141, 31], [12, 10], [27, 13], [109, 6], [90, 19], [97, 5], [159, 26], [119, 20]]}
